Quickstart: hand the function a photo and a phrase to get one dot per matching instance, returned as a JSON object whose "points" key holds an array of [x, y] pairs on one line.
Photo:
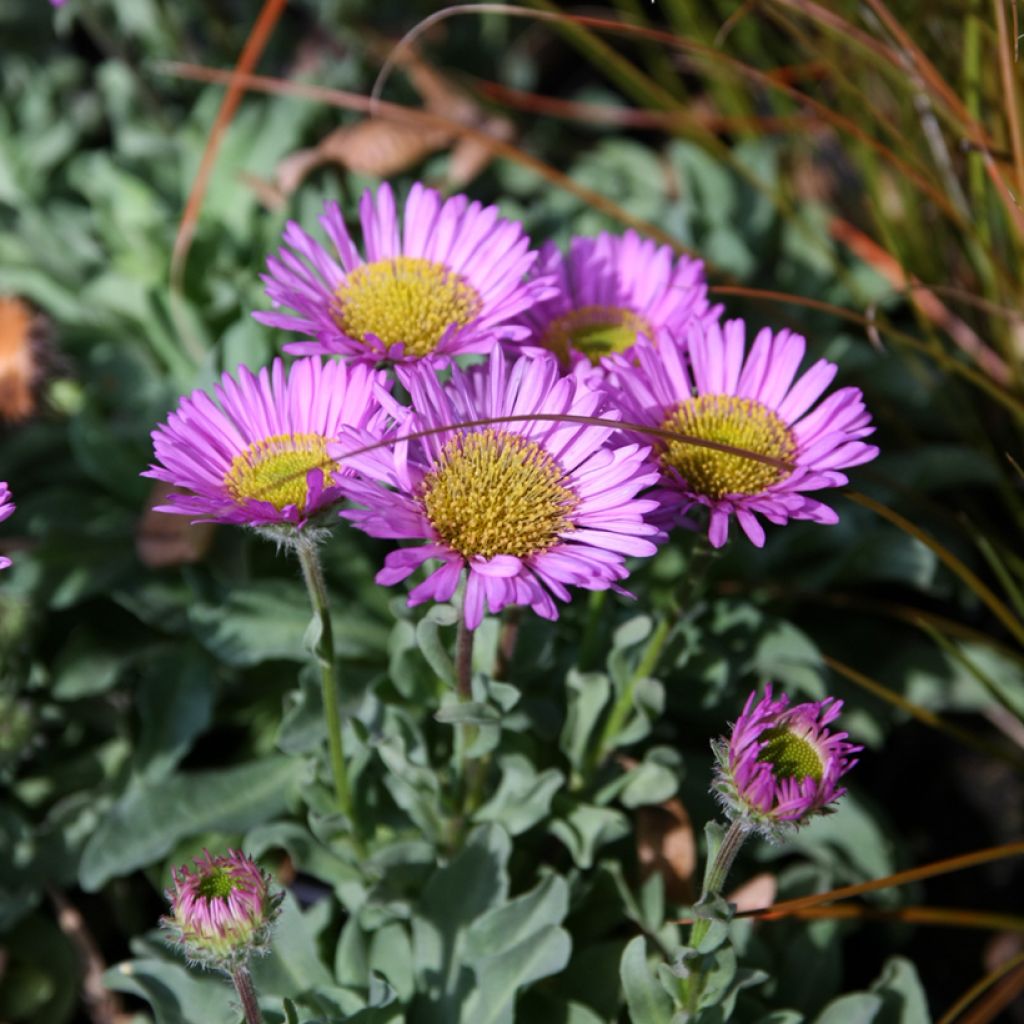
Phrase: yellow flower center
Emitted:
{"points": [[595, 331], [405, 299], [218, 884], [791, 756], [494, 493], [740, 422], [274, 469]]}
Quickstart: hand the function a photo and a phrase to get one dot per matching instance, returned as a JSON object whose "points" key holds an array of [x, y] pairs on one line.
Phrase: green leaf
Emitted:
{"points": [[432, 646], [454, 897], [854, 1008], [586, 828], [176, 994], [588, 695], [504, 927], [268, 621], [648, 1002], [294, 966], [523, 796], [903, 997], [150, 818]]}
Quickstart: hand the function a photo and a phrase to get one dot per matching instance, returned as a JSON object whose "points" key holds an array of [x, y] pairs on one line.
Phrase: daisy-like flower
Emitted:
{"points": [[448, 280], [715, 391], [222, 911], [613, 290], [7, 506], [781, 765], [258, 455], [529, 507]]}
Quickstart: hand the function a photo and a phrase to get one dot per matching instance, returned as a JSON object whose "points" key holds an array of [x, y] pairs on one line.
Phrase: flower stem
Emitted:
{"points": [[624, 704], [714, 881], [309, 559], [464, 659], [243, 986]]}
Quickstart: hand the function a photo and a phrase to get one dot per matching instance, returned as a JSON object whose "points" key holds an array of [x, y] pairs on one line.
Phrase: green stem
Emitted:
{"points": [[309, 559], [714, 882], [243, 986], [714, 879], [624, 704]]}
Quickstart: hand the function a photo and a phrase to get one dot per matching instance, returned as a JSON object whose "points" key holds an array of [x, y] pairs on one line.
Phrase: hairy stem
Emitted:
{"points": [[243, 986], [312, 573]]}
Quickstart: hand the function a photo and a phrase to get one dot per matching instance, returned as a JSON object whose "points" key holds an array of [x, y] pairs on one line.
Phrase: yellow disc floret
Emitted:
{"points": [[274, 469], [595, 331], [495, 493], [741, 422], [791, 756], [405, 300]]}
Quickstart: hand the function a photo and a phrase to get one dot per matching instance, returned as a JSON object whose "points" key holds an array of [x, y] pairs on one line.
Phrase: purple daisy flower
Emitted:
{"points": [[259, 457], [613, 290], [781, 765], [222, 912], [7, 506], [528, 507], [713, 392], [450, 280]]}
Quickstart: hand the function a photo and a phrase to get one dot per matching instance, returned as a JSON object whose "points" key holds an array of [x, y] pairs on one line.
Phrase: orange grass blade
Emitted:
{"points": [[950, 917], [923, 715], [954, 564], [363, 104], [262, 29], [1012, 967], [937, 868]]}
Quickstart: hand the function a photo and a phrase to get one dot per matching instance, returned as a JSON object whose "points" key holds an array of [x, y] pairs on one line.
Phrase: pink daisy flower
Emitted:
{"points": [[715, 391], [527, 508], [613, 290], [781, 765], [258, 455], [222, 911], [449, 280], [7, 506]]}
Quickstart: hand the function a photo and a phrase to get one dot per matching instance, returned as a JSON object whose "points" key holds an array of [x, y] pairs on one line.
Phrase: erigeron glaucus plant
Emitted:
{"points": [[603, 402]]}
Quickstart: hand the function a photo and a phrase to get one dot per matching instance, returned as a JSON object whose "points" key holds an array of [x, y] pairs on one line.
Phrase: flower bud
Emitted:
{"points": [[781, 765], [222, 912]]}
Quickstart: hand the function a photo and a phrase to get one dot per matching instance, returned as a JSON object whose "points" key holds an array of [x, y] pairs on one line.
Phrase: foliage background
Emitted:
{"points": [[154, 694]]}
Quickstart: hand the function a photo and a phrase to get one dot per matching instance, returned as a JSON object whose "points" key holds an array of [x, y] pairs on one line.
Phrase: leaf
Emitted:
{"points": [[150, 818], [588, 695], [454, 897], [294, 966], [903, 997], [647, 1000], [586, 828], [500, 929], [499, 978], [268, 620], [432, 647], [176, 994], [523, 797], [175, 703], [854, 1008]]}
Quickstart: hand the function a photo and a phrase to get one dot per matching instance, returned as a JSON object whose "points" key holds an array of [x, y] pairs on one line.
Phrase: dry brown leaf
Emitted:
{"points": [[20, 335], [383, 148], [163, 539], [759, 891], [665, 844]]}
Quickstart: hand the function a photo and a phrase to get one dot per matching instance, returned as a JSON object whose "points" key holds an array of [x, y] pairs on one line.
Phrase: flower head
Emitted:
{"points": [[781, 765], [613, 290], [258, 456], [449, 280], [528, 507], [222, 911], [7, 506], [716, 393]]}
